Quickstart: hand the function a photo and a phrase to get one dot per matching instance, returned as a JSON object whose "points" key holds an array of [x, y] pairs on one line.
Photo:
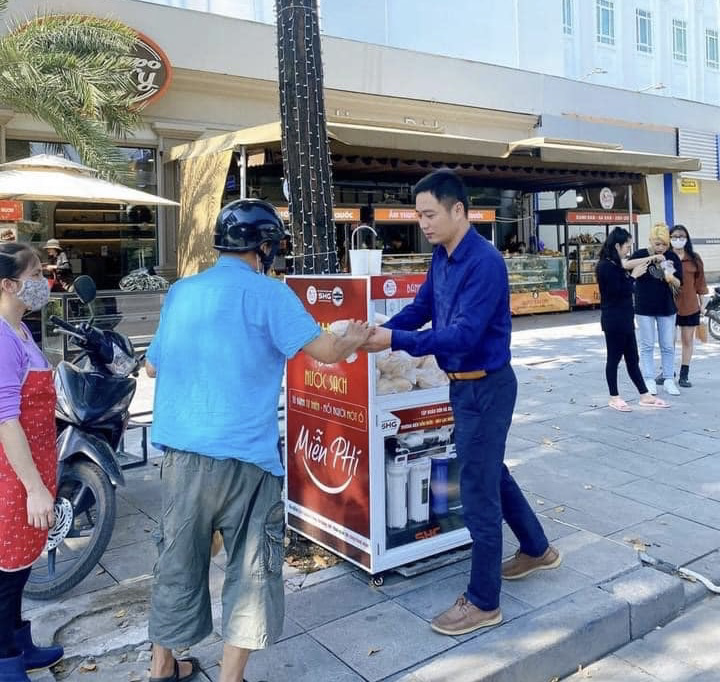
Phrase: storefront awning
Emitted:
{"points": [[372, 139], [532, 165], [593, 154]]}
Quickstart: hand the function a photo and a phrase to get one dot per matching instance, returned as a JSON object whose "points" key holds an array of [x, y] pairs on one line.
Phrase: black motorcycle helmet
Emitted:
{"points": [[245, 225]]}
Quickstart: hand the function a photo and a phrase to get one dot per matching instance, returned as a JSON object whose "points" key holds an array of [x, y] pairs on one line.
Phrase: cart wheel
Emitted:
{"points": [[378, 580]]}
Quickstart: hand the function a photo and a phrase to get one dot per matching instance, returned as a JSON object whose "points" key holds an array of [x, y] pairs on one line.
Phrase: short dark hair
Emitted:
{"points": [[447, 187], [15, 258], [617, 237]]}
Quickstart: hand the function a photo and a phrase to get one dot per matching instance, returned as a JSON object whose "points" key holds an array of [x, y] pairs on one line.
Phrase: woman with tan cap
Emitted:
{"points": [[58, 267], [655, 308]]}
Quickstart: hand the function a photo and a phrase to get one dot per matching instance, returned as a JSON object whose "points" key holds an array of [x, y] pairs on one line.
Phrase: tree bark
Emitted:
{"points": [[305, 147]]}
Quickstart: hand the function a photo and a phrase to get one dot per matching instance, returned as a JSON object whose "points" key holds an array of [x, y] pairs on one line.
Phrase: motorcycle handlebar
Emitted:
{"points": [[58, 322]]}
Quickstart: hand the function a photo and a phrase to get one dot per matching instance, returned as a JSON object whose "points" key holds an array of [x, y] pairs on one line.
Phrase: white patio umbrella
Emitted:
{"points": [[54, 178]]}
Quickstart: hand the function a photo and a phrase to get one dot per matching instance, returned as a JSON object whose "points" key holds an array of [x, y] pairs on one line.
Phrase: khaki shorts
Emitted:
{"points": [[201, 495]]}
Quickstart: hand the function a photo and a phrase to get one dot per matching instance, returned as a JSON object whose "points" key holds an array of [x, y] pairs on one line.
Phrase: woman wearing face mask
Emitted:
{"points": [[27, 457], [689, 300], [655, 307], [616, 317]]}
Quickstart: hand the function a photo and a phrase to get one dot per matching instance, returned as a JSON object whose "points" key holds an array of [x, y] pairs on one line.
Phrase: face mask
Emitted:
{"points": [[678, 242], [34, 293]]}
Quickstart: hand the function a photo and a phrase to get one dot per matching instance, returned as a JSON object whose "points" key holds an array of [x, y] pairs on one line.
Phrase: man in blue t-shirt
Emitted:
{"points": [[466, 296], [219, 355]]}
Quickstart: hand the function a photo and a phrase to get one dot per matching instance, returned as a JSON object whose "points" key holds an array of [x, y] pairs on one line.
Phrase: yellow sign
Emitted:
{"points": [[528, 302], [689, 186]]}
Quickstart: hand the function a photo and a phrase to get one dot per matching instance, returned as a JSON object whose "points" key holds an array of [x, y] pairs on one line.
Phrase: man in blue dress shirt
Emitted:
{"points": [[466, 295]]}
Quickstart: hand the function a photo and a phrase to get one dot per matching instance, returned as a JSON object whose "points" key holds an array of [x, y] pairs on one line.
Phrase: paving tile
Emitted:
{"points": [[367, 641], [612, 669], [670, 453], [701, 477], [672, 538], [130, 562], [396, 584], [298, 659], [596, 557], [330, 600], [648, 658], [428, 602], [656, 494], [594, 523], [545, 587], [130, 529], [695, 441]]}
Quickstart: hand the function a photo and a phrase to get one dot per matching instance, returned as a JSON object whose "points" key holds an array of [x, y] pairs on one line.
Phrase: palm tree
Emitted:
{"points": [[73, 72]]}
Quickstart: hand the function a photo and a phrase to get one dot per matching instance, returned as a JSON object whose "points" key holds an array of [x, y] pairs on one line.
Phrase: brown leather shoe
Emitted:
{"points": [[463, 617], [522, 564]]}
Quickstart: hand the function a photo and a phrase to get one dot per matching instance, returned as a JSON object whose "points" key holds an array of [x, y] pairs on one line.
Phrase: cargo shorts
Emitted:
{"points": [[201, 495]]}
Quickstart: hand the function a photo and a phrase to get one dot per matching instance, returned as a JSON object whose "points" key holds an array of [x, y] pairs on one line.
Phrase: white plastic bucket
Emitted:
{"points": [[359, 261], [374, 264]]}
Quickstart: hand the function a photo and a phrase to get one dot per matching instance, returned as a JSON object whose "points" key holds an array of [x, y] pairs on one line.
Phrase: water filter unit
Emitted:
{"points": [[396, 511], [419, 490]]}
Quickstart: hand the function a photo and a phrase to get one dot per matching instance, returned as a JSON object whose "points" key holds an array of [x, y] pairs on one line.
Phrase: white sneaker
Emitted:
{"points": [[651, 387], [671, 387]]}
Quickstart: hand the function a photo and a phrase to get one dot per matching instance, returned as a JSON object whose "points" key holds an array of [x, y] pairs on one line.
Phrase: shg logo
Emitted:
{"points": [[389, 287], [311, 295]]}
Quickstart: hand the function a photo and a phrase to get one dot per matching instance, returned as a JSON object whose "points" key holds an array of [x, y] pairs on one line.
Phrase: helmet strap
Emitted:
{"points": [[267, 258]]}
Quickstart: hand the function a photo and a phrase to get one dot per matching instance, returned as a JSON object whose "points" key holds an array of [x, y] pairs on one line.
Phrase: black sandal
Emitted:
{"points": [[175, 677]]}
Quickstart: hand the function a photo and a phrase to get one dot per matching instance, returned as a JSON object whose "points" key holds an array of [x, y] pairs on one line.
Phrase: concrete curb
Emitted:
{"points": [[555, 640]]}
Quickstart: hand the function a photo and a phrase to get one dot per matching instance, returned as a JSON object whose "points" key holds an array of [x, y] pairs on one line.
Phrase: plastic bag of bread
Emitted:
{"points": [[427, 377], [380, 318], [339, 327], [387, 385], [398, 363], [429, 362]]}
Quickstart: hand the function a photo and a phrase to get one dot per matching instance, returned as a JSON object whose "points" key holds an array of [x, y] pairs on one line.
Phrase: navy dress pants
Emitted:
{"points": [[483, 411]]}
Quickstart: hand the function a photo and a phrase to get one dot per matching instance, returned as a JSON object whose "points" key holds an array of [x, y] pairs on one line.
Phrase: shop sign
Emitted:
{"points": [[340, 215], [539, 302], [328, 457], [481, 215], [395, 286], [689, 185], [151, 73], [396, 215], [598, 218], [11, 210], [607, 198], [587, 294]]}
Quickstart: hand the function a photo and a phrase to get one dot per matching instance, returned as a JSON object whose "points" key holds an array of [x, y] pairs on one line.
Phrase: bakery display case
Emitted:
{"points": [[582, 261], [538, 284]]}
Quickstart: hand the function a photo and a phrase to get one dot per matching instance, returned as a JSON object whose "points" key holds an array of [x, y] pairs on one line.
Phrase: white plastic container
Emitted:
{"points": [[396, 512], [419, 490], [364, 261]]}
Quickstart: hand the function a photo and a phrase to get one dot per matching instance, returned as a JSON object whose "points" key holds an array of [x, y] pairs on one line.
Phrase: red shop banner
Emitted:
{"points": [[328, 468]]}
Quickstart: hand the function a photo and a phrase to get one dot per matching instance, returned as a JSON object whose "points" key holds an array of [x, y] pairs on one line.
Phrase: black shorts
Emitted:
{"points": [[688, 320]]}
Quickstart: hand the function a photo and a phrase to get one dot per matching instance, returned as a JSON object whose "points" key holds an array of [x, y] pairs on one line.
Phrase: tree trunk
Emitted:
{"points": [[305, 148]]}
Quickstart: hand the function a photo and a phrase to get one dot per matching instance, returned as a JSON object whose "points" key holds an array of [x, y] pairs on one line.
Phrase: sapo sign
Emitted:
{"points": [[152, 72]]}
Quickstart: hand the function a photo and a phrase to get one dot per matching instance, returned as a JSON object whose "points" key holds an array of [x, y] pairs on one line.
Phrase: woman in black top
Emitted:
{"points": [[655, 307], [616, 317]]}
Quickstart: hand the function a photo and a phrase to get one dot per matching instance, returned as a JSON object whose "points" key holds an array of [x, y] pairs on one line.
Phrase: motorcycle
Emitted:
{"points": [[712, 313], [94, 392]]}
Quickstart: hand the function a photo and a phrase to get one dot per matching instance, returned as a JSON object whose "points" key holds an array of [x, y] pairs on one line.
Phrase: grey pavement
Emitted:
{"points": [[604, 483]]}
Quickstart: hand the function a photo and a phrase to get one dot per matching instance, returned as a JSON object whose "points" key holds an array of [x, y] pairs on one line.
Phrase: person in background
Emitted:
{"points": [[689, 300], [58, 267], [28, 459], [616, 286], [655, 306], [466, 295], [219, 354]]}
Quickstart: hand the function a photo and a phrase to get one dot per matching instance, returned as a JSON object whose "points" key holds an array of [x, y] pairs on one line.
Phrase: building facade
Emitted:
{"points": [[497, 71]]}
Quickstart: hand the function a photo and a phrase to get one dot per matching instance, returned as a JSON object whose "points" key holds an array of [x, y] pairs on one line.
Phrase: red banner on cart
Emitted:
{"points": [[327, 442], [395, 286], [424, 417]]}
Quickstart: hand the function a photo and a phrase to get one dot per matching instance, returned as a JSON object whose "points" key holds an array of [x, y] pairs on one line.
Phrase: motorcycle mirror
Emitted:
{"points": [[85, 289]]}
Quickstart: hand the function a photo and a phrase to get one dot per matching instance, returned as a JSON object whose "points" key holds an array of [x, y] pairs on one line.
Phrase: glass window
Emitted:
{"points": [[567, 17], [605, 22], [105, 241], [711, 48], [679, 28], [643, 31]]}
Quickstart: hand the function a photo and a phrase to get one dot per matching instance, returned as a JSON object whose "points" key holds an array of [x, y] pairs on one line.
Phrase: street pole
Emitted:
{"points": [[305, 147]]}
